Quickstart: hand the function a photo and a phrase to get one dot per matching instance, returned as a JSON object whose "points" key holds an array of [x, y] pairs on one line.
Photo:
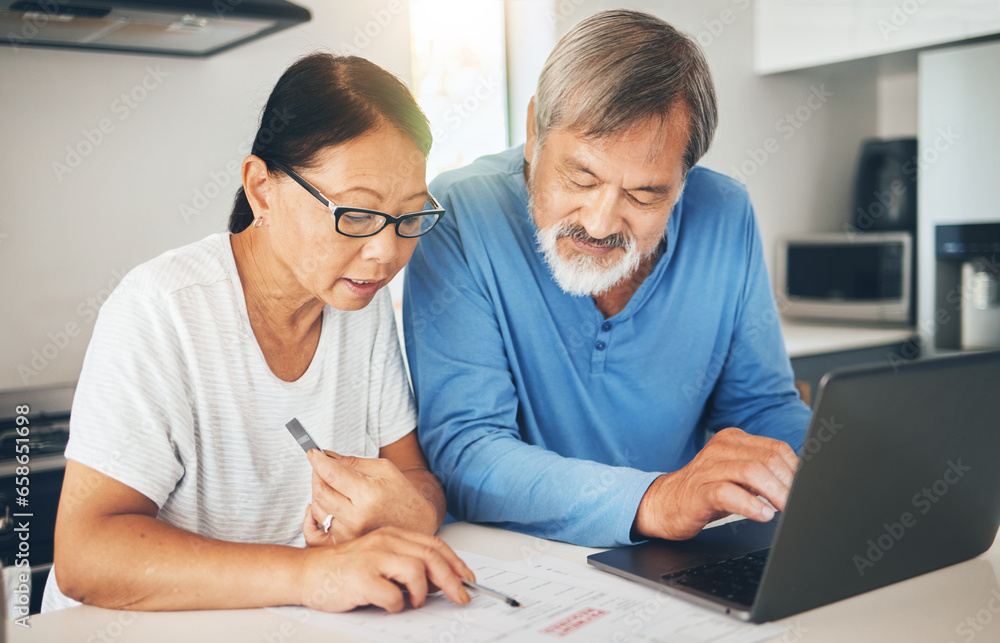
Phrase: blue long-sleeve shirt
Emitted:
{"points": [[540, 415]]}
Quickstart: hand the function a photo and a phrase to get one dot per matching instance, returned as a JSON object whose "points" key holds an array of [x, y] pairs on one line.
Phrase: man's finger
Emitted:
{"points": [[788, 455], [777, 455], [774, 459], [733, 442], [755, 476], [732, 498]]}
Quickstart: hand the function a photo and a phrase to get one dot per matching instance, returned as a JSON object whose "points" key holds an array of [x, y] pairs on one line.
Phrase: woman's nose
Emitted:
{"points": [[384, 246]]}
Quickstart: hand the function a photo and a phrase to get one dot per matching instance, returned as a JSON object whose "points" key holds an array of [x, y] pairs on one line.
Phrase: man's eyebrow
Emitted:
{"points": [[658, 190], [574, 163]]}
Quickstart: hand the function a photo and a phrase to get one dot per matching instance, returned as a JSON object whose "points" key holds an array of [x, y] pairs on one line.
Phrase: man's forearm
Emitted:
{"points": [[540, 492]]}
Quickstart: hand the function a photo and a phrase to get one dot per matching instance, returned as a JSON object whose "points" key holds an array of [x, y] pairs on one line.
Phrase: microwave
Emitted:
{"points": [[857, 277]]}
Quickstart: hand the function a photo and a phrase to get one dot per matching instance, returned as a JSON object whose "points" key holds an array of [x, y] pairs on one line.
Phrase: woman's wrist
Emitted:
{"points": [[301, 588]]}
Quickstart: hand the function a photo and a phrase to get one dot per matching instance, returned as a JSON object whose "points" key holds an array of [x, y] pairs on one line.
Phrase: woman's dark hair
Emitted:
{"points": [[324, 100]]}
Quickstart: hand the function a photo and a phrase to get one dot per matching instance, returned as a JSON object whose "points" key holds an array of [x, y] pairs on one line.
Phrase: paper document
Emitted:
{"points": [[560, 601]]}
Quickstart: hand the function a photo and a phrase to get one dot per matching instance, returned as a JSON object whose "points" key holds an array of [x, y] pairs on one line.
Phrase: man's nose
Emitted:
{"points": [[599, 217]]}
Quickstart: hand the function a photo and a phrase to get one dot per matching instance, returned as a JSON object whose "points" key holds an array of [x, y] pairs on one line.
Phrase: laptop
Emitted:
{"points": [[898, 477]]}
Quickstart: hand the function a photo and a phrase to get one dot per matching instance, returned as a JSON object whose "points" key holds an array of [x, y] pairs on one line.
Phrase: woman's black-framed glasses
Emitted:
{"points": [[359, 222]]}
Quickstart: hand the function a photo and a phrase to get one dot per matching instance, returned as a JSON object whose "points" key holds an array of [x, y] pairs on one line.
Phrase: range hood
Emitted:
{"points": [[172, 27]]}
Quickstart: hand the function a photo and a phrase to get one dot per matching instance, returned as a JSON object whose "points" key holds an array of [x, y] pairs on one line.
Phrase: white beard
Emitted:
{"points": [[583, 275]]}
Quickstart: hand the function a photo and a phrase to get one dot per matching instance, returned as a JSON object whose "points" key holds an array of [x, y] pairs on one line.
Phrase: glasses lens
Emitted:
{"points": [[417, 224], [359, 224]]}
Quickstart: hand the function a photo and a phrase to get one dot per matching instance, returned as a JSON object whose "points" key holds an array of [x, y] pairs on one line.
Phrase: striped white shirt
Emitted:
{"points": [[176, 400]]}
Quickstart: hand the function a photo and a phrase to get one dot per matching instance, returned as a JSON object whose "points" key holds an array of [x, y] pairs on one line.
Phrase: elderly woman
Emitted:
{"points": [[183, 489]]}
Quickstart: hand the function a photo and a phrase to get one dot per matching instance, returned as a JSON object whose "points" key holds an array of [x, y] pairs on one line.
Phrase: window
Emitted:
{"points": [[459, 78]]}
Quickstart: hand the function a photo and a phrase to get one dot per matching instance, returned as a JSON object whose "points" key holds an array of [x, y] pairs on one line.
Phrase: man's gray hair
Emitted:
{"points": [[617, 68]]}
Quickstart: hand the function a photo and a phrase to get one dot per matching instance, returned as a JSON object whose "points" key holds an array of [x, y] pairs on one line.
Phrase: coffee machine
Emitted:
{"points": [[885, 200], [968, 286]]}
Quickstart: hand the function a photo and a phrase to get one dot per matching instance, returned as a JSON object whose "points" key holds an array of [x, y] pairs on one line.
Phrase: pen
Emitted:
{"points": [[489, 592]]}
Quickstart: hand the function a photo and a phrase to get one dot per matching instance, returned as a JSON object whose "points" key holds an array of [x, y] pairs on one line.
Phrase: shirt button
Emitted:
{"points": [[600, 345], [606, 326]]}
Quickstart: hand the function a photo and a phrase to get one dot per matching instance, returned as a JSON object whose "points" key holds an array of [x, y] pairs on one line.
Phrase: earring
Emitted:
{"points": [[258, 222]]}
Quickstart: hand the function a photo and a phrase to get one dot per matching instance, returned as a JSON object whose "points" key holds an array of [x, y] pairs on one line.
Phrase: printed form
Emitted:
{"points": [[559, 601]]}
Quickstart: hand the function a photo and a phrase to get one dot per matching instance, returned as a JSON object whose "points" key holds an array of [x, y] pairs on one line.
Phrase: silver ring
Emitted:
{"points": [[327, 522]]}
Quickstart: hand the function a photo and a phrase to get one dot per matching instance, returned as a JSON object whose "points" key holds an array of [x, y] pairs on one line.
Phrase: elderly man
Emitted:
{"points": [[594, 306]]}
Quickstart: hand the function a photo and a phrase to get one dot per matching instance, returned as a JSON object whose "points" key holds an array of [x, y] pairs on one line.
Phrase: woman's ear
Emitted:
{"points": [[257, 185], [529, 144]]}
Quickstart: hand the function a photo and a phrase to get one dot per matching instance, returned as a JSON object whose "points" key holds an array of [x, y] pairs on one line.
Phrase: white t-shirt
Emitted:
{"points": [[176, 400]]}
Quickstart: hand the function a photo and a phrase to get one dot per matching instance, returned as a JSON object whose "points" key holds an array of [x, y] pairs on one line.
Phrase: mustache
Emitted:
{"points": [[577, 232]]}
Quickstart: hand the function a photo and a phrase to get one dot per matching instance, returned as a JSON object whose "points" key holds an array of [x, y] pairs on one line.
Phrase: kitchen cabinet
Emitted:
{"points": [[795, 34]]}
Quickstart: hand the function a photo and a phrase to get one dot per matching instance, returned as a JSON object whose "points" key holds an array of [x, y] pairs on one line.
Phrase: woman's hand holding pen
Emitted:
{"points": [[377, 568], [353, 496]]}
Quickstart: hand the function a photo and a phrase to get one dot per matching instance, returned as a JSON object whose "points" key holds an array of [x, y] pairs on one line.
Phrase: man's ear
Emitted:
{"points": [[257, 185], [529, 144]]}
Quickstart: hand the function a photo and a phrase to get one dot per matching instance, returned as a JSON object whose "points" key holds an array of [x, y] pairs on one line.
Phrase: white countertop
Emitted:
{"points": [[928, 608], [804, 338]]}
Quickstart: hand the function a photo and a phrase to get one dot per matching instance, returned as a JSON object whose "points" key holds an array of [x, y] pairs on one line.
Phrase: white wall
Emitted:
{"points": [[65, 240], [799, 169], [67, 235], [897, 96]]}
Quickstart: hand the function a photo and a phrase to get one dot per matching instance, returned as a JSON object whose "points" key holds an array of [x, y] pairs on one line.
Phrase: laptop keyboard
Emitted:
{"points": [[734, 579]]}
